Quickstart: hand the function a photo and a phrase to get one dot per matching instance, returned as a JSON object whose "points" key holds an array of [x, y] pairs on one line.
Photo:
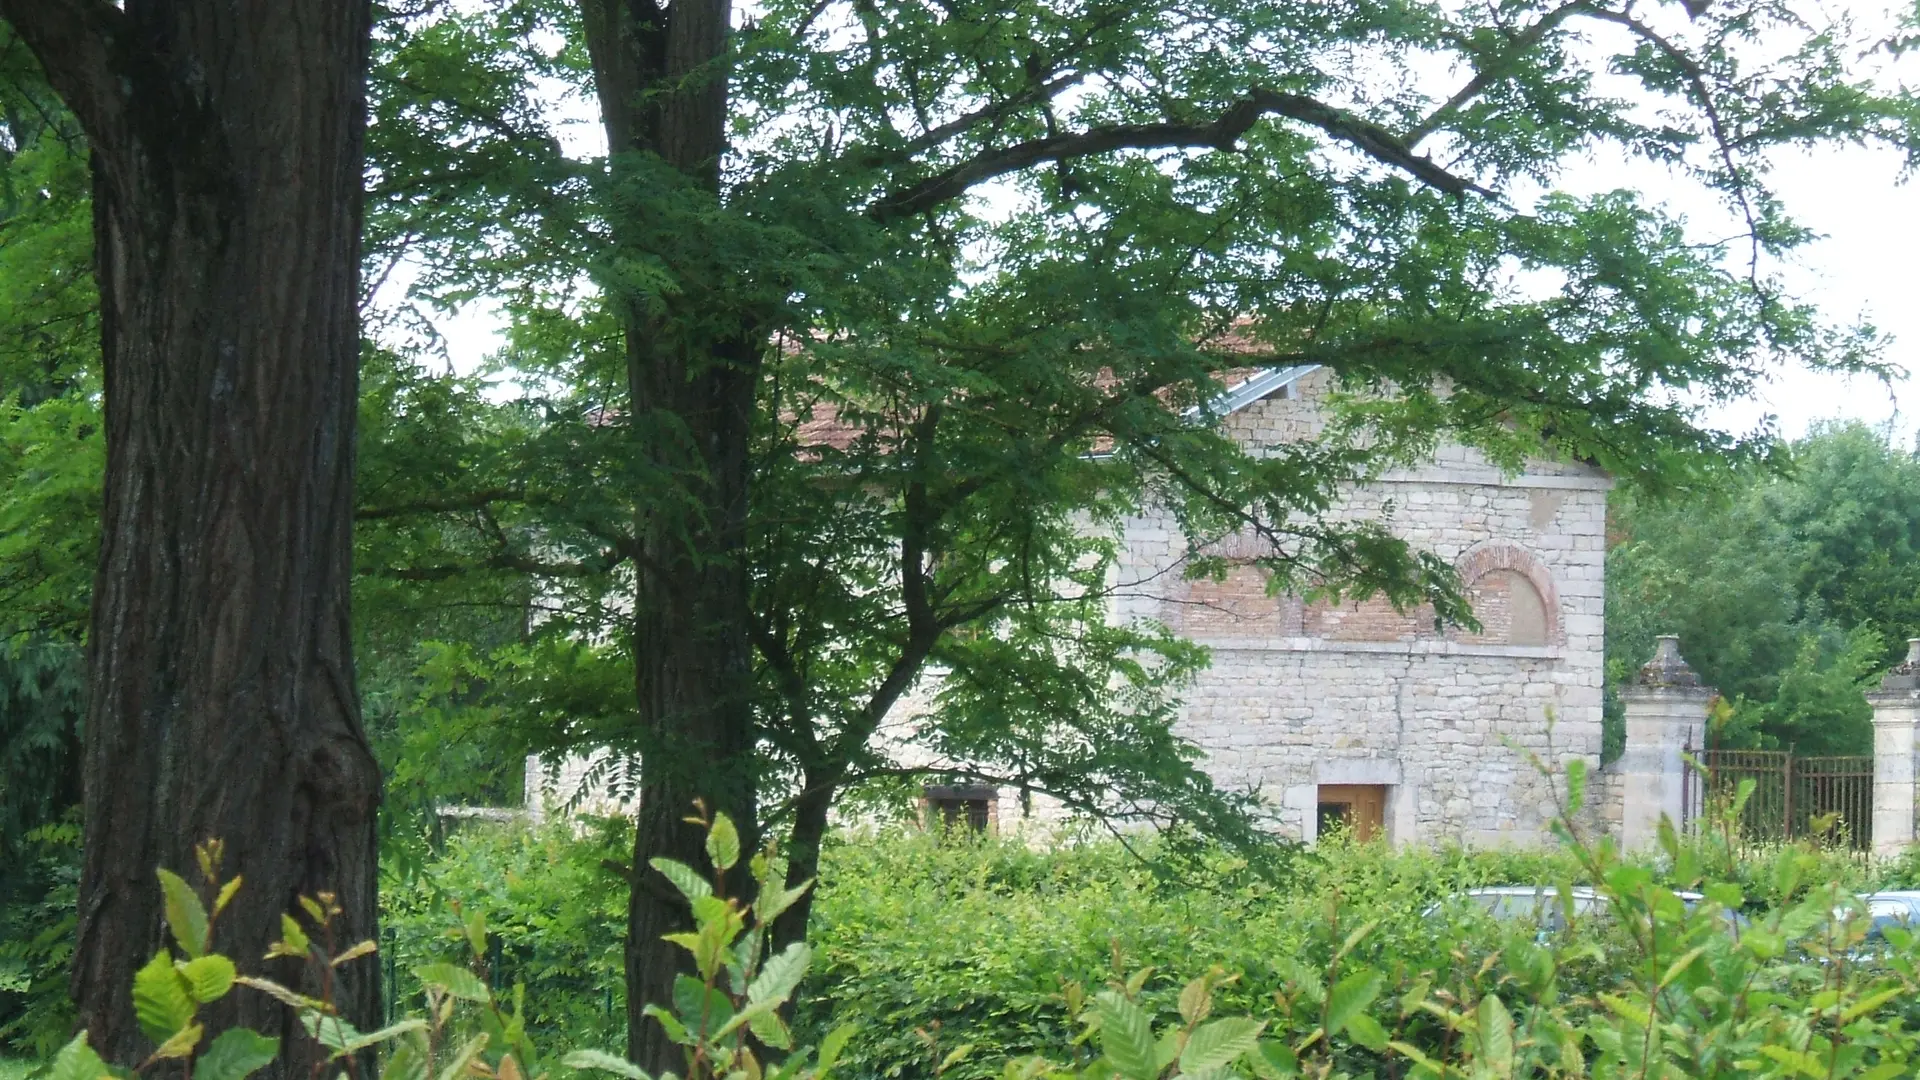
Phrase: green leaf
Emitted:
{"points": [[456, 1068], [1126, 1036], [1196, 1000], [723, 842], [208, 977], [185, 915], [333, 1032], [160, 1000], [1350, 997], [1366, 1031], [955, 1056], [1681, 964], [1798, 1061], [772, 902], [770, 1029], [455, 980], [235, 1054], [293, 940], [690, 884], [830, 1049], [77, 1061], [1274, 1060], [1869, 1003], [676, 1030], [781, 974], [605, 1062], [181, 1043], [1220, 1043], [407, 1061], [342, 1038], [701, 1007], [476, 930], [1496, 1037]]}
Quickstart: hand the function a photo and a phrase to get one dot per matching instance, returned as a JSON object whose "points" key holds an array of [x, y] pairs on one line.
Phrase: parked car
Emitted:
{"points": [[1897, 906], [1541, 903]]}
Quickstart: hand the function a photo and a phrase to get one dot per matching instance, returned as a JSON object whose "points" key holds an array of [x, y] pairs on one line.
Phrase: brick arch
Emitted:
{"points": [[1490, 570]]}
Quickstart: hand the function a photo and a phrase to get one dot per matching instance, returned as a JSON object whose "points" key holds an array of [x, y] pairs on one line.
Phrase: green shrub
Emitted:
{"points": [[38, 907], [928, 943], [556, 916]]}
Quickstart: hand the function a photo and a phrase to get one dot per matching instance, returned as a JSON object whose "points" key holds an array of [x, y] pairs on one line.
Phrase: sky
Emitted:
{"points": [[1861, 267]]}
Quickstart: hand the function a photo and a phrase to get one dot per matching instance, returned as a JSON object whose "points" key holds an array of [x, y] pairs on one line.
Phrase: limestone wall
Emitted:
{"points": [[1301, 695]]}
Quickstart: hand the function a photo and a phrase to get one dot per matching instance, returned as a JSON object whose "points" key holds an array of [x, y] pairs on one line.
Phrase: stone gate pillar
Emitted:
{"points": [[1666, 713], [1896, 711]]}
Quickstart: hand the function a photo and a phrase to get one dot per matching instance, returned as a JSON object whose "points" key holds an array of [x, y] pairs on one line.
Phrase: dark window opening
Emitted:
{"points": [[1334, 816], [971, 808]]}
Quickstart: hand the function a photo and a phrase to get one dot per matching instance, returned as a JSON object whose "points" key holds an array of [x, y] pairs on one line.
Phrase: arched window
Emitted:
{"points": [[1512, 594]]}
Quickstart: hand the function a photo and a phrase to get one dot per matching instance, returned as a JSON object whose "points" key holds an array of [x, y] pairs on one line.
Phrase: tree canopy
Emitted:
{"points": [[1789, 592]]}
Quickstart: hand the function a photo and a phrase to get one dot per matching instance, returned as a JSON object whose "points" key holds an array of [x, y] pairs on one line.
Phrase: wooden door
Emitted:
{"points": [[1361, 808]]}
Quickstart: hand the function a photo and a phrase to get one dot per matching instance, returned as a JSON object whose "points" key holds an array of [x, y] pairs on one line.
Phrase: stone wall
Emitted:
{"points": [[1307, 694]]}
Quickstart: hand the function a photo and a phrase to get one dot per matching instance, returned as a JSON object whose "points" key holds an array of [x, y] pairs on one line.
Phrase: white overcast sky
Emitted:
{"points": [[1861, 267]]}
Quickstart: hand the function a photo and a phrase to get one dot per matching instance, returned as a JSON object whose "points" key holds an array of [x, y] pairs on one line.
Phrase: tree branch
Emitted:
{"points": [[78, 44], [473, 501], [1495, 69], [1221, 134], [500, 561]]}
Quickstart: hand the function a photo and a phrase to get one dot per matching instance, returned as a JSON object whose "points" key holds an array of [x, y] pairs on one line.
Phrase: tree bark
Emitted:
{"points": [[693, 364], [226, 141], [804, 839]]}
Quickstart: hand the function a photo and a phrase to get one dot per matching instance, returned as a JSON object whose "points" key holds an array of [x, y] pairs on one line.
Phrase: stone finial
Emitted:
{"points": [[1904, 677], [1667, 668]]}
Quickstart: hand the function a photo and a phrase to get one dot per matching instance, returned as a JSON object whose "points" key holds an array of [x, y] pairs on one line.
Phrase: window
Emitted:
{"points": [[1358, 808], [975, 809]]}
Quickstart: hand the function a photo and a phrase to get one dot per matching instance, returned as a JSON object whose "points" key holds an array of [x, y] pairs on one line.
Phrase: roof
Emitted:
{"points": [[1257, 386]]}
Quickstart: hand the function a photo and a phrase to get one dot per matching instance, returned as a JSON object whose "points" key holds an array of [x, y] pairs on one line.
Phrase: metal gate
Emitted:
{"points": [[1825, 799]]}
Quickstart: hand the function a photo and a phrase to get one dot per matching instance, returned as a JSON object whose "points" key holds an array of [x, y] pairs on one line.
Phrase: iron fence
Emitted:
{"points": [[1825, 799]]}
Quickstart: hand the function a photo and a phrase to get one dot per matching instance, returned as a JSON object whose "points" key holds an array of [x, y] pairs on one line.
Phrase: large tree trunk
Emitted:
{"points": [[693, 662], [227, 158], [693, 363]]}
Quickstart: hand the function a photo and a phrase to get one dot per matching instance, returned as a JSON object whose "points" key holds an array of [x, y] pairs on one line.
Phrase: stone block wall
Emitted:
{"points": [[1308, 694]]}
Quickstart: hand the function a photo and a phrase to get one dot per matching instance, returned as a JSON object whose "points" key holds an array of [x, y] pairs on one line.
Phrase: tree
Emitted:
{"points": [[793, 227], [225, 145], [1790, 591]]}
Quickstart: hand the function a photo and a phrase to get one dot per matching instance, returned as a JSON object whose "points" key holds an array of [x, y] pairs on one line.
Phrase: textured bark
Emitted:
{"points": [[803, 860], [692, 370], [227, 160]]}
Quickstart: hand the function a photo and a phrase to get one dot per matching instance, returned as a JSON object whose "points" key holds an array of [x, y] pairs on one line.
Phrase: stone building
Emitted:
{"points": [[1358, 713], [1362, 714]]}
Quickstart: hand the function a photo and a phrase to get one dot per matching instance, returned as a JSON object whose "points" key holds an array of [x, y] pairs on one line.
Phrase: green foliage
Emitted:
{"points": [[1789, 592], [728, 1015], [1647, 985], [983, 944], [51, 440], [39, 902], [556, 914]]}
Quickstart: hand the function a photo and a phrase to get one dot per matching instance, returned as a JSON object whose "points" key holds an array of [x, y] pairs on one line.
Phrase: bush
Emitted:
{"points": [[556, 915], [931, 943], [39, 900]]}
